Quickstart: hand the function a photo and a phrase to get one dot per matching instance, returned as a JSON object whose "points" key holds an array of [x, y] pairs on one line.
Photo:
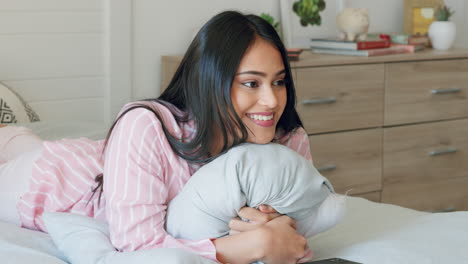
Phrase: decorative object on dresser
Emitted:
{"points": [[442, 31], [418, 15], [392, 129], [353, 23], [408, 39]]}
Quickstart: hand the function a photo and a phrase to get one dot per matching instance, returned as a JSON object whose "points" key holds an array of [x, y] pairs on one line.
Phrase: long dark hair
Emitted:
{"points": [[200, 89]]}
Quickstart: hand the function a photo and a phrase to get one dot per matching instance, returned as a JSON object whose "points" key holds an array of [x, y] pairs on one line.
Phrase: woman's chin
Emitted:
{"points": [[264, 140]]}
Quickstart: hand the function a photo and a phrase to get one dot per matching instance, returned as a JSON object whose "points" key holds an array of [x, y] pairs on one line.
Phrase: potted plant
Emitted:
{"points": [[442, 31], [308, 11]]}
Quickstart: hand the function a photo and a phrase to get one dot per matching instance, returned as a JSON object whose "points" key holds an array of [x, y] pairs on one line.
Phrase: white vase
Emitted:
{"points": [[442, 34]]}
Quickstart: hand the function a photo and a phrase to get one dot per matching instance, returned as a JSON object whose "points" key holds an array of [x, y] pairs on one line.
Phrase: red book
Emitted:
{"points": [[350, 45], [365, 53]]}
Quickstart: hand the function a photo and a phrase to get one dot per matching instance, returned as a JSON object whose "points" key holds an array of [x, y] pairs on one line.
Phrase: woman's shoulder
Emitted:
{"points": [[297, 134], [297, 140], [150, 109], [145, 112], [146, 105]]}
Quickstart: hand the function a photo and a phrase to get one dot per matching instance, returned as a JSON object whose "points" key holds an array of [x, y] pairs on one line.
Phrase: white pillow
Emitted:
{"points": [[251, 175], [25, 246], [84, 240], [13, 108]]}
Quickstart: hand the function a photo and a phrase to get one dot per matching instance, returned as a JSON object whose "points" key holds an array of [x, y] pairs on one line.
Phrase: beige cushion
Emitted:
{"points": [[13, 108]]}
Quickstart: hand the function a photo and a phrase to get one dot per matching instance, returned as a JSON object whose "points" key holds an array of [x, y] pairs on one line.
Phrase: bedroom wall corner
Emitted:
{"points": [[118, 56]]}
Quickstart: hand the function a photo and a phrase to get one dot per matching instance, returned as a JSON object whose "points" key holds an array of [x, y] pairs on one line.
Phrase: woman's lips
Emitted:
{"points": [[264, 119]]}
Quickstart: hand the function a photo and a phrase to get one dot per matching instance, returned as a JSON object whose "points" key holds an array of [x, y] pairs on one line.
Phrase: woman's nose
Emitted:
{"points": [[268, 97]]}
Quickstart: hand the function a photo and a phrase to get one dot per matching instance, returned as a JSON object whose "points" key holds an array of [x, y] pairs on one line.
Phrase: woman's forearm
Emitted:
{"points": [[241, 248]]}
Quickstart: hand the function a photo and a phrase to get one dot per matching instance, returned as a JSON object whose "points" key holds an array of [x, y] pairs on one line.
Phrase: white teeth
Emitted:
{"points": [[261, 117]]}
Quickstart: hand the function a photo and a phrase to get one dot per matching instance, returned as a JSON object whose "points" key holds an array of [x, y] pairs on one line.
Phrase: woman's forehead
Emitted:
{"points": [[261, 56]]}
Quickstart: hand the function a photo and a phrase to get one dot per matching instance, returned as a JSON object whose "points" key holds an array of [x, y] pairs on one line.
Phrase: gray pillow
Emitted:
{"points": [[251, 175]]}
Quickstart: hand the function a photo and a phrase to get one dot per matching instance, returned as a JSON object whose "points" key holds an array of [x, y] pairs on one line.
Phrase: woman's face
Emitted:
{"points": [[258, 92]]}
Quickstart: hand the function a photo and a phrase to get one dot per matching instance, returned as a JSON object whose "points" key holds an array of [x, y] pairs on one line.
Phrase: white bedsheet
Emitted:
{"points": [[370, 233], [383, 233]]}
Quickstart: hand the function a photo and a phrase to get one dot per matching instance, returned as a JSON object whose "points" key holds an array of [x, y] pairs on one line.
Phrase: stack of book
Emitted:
{"points": [[383, 45], [293, 54]]}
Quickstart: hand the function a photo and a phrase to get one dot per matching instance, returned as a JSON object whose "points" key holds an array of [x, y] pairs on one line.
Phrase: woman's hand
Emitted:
{"points": [[256, 217], [275, 242], [280, 243]]}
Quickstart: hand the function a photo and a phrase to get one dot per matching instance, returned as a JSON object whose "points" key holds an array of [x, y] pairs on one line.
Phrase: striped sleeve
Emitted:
{"points": [[138, 175], [299, 142]]}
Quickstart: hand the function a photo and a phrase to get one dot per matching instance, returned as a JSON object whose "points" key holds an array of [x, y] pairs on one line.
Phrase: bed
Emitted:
{"points": [[369, 233]]}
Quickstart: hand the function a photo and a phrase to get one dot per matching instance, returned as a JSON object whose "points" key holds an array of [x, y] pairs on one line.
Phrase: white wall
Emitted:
{"points": [[66, 54], [52, 54], [166, 27]]}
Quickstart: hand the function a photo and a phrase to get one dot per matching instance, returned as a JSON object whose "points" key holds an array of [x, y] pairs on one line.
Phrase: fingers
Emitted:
{"points": [[237, 225], [255, 218], [286, 220], [266, 209], [308, 255], [254, 215]]}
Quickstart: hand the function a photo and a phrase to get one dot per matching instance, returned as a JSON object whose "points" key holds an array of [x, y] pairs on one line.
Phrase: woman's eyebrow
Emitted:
{"points": [[260, 73]]}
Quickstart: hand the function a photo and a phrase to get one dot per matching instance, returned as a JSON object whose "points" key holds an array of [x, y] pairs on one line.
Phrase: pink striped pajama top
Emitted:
{"points": [[141, 175]]}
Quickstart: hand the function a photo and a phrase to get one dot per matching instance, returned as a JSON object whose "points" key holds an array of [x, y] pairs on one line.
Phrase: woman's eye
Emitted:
{"points": [[279, 82], [252, 84]]}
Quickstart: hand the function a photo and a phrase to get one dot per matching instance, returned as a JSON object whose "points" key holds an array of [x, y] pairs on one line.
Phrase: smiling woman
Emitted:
{"points": [[234, 85], [258, 92]]}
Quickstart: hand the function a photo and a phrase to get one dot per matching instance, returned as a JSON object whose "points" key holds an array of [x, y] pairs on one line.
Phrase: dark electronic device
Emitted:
{"points": [[332, 261]]}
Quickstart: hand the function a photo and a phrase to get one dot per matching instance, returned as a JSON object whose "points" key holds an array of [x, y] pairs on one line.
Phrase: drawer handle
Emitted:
{"points": [[330, 100], [442, 152], [327, 168], [446, 91]]}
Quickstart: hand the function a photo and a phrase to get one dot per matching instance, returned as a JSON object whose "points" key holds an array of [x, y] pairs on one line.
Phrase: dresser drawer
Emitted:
{"points": [[433, 196], [425, 152], [352, 161], [429, 161], [340, 97], [425, 91]]}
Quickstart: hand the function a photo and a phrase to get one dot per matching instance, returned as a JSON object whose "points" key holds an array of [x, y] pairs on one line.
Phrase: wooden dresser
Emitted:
{"points": [[391, 128]]}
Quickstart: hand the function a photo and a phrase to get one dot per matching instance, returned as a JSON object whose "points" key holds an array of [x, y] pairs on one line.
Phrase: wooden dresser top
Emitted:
{"points": [[310, 59]]}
